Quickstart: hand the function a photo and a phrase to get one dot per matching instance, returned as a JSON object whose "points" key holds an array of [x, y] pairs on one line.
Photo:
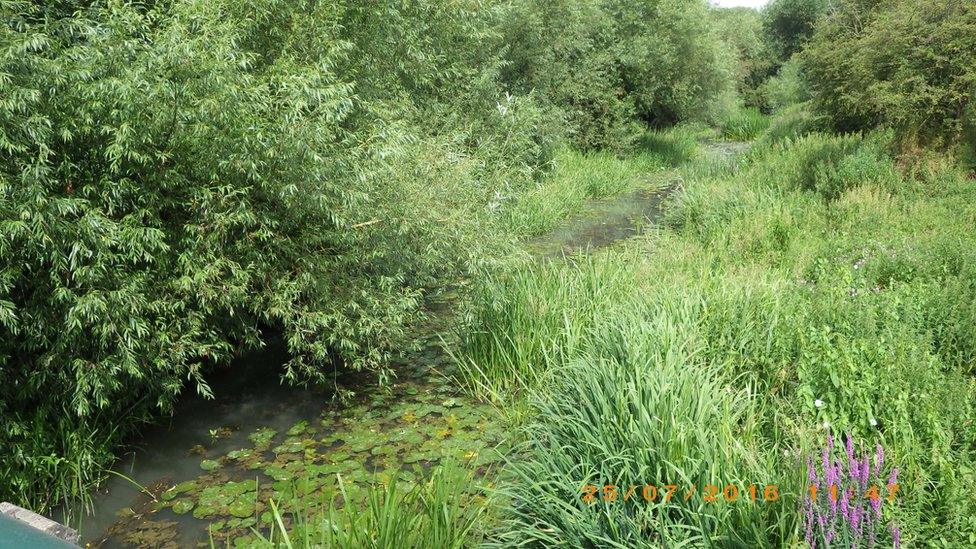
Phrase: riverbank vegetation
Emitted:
{"points": [[179, 179]]}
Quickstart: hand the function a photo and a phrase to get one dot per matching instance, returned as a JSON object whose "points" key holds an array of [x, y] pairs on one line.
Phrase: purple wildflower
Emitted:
{"points": [[893, 479], [865, 472], [879, 458], [856, 520], [845, 506], [849, 447], [896, 536], [876, 505]]}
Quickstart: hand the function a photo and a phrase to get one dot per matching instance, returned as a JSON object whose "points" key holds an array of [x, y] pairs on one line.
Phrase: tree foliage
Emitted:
{"points": [[907, 64], [743, 30], [790, 23], [177, 177], [608, 65]]}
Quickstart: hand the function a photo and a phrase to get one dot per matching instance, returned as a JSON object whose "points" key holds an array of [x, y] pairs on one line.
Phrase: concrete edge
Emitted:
{"points": [[39, 522]]}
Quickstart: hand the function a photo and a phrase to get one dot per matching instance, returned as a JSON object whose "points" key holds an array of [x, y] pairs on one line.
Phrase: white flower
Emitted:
{"points": [[826, 425], [818, 403], [873, 422]]}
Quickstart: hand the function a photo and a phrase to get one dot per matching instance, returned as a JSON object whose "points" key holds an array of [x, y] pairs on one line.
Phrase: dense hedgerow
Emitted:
{"points": [[904, 64]]}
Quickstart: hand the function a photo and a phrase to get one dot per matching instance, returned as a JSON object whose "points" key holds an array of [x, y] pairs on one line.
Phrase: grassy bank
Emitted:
{"points": [[817, 290]]}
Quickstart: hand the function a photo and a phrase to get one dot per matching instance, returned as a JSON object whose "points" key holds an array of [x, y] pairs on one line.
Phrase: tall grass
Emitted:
{"points": [[582, 176], [444, 512], [815, 273], [745, 124], [540, 315], [642, 407]]}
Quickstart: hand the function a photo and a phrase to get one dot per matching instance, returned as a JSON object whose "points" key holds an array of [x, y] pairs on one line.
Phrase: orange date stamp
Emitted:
{"points": [[650, 493]]}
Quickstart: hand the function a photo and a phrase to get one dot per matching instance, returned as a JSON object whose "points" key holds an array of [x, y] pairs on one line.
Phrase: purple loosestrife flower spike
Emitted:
{"points": [[856, 520], [830, 441], [893, 479], [844, 506], [879, 458], [830, 536], [865, 472], [811, 472], [876, 505], [855, 470], [896, 536], [849, 447]]}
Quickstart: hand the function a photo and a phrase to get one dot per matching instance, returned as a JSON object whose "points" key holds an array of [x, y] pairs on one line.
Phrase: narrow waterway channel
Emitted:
{"points": [[208, 472]]}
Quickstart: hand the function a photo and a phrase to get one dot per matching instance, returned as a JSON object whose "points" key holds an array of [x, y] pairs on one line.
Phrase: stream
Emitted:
{"points": [[208, 472]]}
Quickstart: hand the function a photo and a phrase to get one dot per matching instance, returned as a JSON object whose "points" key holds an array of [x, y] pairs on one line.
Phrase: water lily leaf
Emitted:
{"points": [[262, 436], [241, 508], [182, 506], [298, 428], [209, 465]]}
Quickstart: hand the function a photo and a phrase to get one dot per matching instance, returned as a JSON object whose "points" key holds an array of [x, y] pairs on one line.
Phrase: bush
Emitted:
{"points": [[897, 64], [178, 176], [607, 65], [786, 88]]}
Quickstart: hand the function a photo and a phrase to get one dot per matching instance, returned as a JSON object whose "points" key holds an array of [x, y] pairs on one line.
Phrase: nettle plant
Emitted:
{"points": [[844, 500]]}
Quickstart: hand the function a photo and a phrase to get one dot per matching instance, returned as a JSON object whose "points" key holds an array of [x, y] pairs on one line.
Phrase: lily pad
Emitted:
{"points": [[209, 465], [182, 506], [262, 437], [241, 508]]}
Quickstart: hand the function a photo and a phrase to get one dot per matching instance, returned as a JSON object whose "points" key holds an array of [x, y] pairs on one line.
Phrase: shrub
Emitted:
{"points": [[178, 176], [897, 64], [786, 88]]}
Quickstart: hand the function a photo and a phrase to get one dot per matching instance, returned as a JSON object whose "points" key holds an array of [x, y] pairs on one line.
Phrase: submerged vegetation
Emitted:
{"points": [[182, 182]]}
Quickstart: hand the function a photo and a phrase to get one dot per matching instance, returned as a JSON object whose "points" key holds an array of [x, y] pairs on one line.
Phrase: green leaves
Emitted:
{"points": [[898, 64]]}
